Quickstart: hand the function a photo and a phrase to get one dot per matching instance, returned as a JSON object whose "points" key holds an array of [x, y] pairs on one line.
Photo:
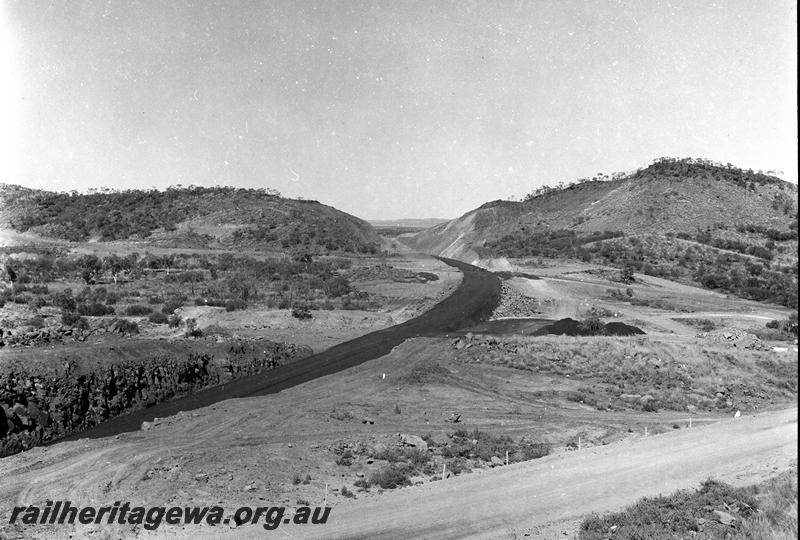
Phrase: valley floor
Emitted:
{"points": [[281, 449]]}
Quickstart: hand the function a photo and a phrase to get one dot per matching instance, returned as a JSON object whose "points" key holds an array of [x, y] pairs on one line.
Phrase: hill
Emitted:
{"points": [[222, 217], [685, 219]]}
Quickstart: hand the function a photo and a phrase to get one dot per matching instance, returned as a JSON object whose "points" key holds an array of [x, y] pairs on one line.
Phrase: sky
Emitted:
{"points": [[389, 109]]}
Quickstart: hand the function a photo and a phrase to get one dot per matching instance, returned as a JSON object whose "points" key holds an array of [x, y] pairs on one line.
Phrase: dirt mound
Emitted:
{"points": [[571, 327]]}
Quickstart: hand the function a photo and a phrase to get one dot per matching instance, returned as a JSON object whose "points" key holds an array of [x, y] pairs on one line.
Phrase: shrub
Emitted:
{"points": [[427, 276], [191, 329], [626, 274], [346, 459], [158, 318], [676, 516], [600, 312], [216, 330], [301, 312], [415, 457], [388, 454], [125, 326], [458, 465], [704, 325], [170, 307], [362, 483], [785, 326], [174, 321], [341, 415], [70, 318], [65, 301], [391, 477], [138, 310], [528, 451], [233, 305], [591, 325], [347, 493], [95, 309]]}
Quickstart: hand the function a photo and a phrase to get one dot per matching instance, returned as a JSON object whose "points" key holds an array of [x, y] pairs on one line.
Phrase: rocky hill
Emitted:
{"points": [[685, 219], [219, 217], [670, 196]]}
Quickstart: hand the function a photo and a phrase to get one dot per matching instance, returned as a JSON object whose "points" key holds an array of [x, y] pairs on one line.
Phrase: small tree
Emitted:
{"points": [[591, 325], [626, 274], [12, 275]]}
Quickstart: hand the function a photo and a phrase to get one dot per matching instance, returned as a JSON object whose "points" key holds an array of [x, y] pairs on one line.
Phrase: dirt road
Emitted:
{"points": [[471, 302], [508, 502]]}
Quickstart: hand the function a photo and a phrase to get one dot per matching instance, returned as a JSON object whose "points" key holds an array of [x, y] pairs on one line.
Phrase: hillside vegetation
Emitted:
{"points": [[187, 217], [690, 220]]}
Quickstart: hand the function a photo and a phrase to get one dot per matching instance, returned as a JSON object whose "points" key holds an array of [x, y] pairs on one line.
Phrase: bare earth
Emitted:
{"points": [[546, 496]]}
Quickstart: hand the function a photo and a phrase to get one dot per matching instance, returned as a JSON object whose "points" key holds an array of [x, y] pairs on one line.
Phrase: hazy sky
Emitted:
{"points": [[389, 109]]}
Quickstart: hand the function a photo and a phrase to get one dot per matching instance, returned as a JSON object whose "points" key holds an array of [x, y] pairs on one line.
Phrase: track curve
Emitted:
{"points": [[471, 302]]}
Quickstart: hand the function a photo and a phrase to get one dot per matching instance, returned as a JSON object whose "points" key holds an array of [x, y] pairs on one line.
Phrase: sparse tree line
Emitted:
{"points": [[37, 407], [680, 168], [114, 215], [750, 275], [305, 235], [155, 286]]}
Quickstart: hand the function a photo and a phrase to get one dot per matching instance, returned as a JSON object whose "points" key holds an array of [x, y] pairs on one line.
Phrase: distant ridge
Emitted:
{"points": [[217, 217], [422, 223]]}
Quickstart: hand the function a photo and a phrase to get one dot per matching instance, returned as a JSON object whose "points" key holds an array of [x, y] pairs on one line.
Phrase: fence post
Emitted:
{"points": [[444, 470]]}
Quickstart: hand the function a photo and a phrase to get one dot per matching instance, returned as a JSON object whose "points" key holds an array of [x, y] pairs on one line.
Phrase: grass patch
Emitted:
{"points": [[624, 373], [716, 510], [704, 325], [424, 372]]}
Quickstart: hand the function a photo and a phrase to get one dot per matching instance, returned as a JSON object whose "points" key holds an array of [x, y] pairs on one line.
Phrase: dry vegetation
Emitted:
{"points": [[189, 217], [715, 511], [645, 374]]}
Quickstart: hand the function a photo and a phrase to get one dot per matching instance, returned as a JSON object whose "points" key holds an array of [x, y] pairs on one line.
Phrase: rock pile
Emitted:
{"points": [[515, 304], [27, 336], [736, 338]]}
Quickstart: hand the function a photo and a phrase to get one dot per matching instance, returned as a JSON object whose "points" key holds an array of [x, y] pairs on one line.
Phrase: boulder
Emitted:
{"points": [[496, 461], [724, 517], [413, 440]]}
